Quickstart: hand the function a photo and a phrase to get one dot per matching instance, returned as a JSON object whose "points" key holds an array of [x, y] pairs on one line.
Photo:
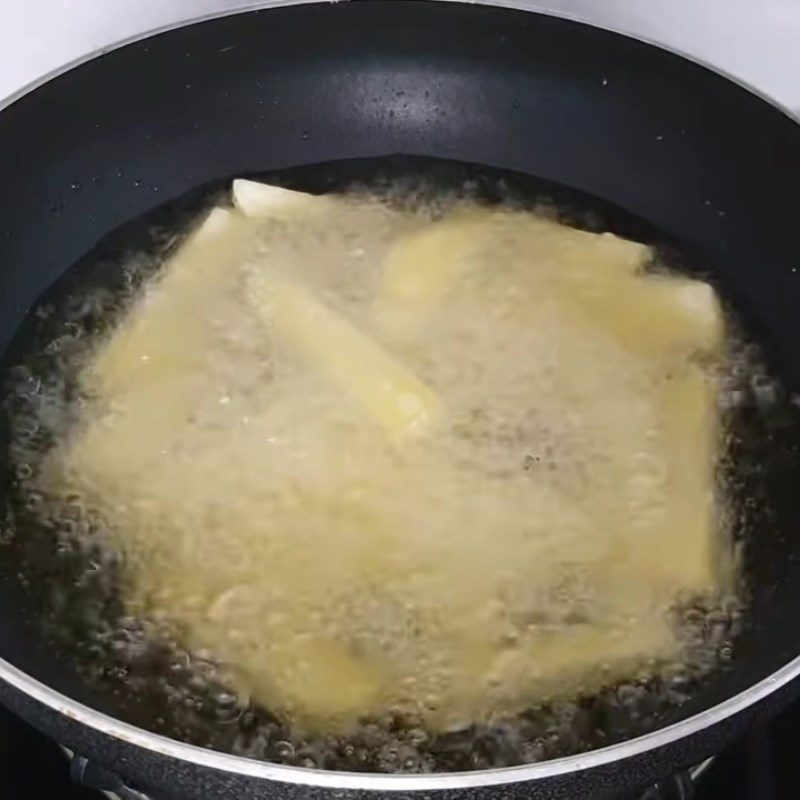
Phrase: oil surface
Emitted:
{"points": [[142, 644]]}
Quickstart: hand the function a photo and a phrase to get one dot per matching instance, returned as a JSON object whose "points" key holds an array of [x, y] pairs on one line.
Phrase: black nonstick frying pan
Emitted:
{"points": [[316, 93]]}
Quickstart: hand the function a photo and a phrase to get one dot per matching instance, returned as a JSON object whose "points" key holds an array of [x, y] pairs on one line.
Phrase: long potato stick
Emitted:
{"points": [[387, 390]]}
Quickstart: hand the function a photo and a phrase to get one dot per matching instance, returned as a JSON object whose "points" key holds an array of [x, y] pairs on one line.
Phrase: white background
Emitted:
{"points": [[757, 41]]}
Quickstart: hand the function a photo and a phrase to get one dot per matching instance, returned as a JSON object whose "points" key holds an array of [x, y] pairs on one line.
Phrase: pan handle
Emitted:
{"points": [[678, 787], [90, 775]]}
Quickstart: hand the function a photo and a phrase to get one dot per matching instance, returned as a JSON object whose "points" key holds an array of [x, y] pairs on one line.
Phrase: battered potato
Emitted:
{"points": [[374, 461]]}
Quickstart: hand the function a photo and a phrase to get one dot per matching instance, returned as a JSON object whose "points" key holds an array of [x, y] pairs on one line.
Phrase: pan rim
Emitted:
{"points": [[240, 765]]}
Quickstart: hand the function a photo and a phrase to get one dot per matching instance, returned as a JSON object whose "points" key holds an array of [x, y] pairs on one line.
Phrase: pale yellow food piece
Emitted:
{"points": [[217, 221], [256, 199], [650, 313], [326, 677], [422, 265], [389, 392], [167, 335], [544, 246], [597, 282], [571, 656], [688, 549]]}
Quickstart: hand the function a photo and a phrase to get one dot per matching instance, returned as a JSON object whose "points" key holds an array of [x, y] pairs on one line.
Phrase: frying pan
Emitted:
{"points": [[697, 161]]}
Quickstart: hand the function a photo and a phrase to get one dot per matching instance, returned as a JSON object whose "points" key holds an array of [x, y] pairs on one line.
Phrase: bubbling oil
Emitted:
{"points": [[191, 575]]}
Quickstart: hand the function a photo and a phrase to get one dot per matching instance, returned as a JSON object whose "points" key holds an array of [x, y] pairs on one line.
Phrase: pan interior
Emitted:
{"points": [[709, 165], [73, 592]]}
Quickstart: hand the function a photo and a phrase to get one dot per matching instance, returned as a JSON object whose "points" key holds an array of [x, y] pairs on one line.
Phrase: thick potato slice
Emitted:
{"points": [[473, 245], [689, 548], [168, 333], [649, 315], [256, 199], [389, 392], [422, 265]]}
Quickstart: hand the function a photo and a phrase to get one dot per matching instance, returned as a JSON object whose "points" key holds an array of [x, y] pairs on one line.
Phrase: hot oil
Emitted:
{"points": [[190, 694]]}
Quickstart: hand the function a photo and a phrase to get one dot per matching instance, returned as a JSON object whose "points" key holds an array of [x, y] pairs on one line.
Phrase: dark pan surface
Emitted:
{"points": [[707, 167]]}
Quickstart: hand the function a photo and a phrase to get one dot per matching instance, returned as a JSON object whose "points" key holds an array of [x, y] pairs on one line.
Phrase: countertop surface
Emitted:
{"points": [[758, 43]]}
